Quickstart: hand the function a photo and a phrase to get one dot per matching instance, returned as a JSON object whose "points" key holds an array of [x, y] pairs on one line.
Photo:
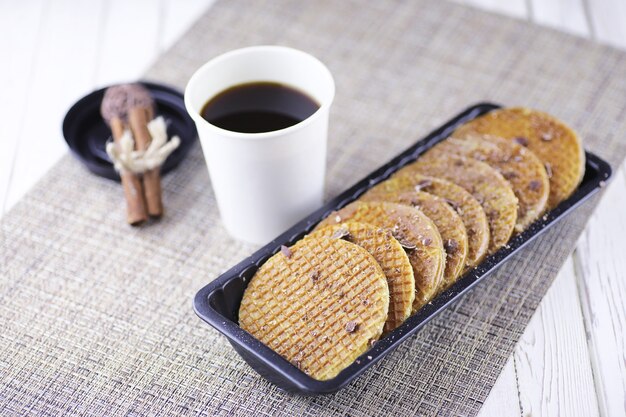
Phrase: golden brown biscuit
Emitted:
{"points": [[448, 222], [468, 208], [518, 165], [554, 143], [415, 232], [391, 257], [319, 304], [486, 184]]}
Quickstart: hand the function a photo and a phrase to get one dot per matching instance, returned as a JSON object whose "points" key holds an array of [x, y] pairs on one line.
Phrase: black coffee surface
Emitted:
{"points": [[258, 107]]}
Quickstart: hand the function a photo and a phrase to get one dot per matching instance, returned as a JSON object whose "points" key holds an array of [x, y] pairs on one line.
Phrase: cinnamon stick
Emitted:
{"points": [[138, 119], [135, 206]]}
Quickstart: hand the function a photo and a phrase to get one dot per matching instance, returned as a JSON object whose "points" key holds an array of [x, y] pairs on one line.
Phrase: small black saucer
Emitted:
{"points": [[86, 133]]}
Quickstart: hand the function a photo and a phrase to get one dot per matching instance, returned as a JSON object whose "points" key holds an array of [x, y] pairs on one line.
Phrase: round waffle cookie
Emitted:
{"points": [[448, 222], [415, 232], [486, 184], [390, 256], [319, 304], [468, 208], [554, 143], [519, 166]]}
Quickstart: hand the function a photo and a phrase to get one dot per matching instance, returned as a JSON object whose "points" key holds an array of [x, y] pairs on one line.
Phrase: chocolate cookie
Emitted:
{"points": [[486, 184], [415, 232], [518, 165], [554, 143], [319, 304], [391, 257]]}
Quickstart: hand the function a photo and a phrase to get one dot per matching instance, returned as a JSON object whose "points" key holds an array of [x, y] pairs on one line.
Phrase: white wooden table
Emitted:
{"points": [[571, 360]]}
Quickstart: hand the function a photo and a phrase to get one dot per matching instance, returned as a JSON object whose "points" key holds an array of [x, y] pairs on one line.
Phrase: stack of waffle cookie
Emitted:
{"points": [[367, 267]]}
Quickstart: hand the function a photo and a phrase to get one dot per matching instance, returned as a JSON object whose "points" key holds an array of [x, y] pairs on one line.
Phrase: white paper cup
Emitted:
{"points": [[264, 182]]}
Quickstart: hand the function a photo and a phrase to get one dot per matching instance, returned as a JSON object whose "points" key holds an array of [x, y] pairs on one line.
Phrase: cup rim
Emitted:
{"points": [[195, 114]]}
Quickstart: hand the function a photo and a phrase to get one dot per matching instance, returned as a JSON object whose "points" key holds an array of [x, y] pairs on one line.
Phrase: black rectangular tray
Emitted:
{"points": [[218, 302]]}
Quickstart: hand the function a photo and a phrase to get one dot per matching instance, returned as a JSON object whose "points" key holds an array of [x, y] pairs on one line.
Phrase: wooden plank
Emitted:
{"points": [[553, 368], [19, 20], [601, 268], [177, 17], [129, 40], [503, 400], [566, 15], [608, 21], [514, 8], [62, 70]]}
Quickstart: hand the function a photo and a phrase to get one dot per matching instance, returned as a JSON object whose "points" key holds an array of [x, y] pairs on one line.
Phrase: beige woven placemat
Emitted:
{"points": [[96, 319]]}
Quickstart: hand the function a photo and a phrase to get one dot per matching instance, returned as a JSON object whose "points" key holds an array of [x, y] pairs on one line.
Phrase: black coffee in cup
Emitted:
{"points": [[258, 107]]}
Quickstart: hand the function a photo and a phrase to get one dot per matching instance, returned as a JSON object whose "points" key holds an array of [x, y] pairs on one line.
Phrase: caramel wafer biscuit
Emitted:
{"points": [[486, 184], [319, 304], [390, 256], [518, 165], [448, 222], [468, 208], [554, 143], [415, 232]]}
